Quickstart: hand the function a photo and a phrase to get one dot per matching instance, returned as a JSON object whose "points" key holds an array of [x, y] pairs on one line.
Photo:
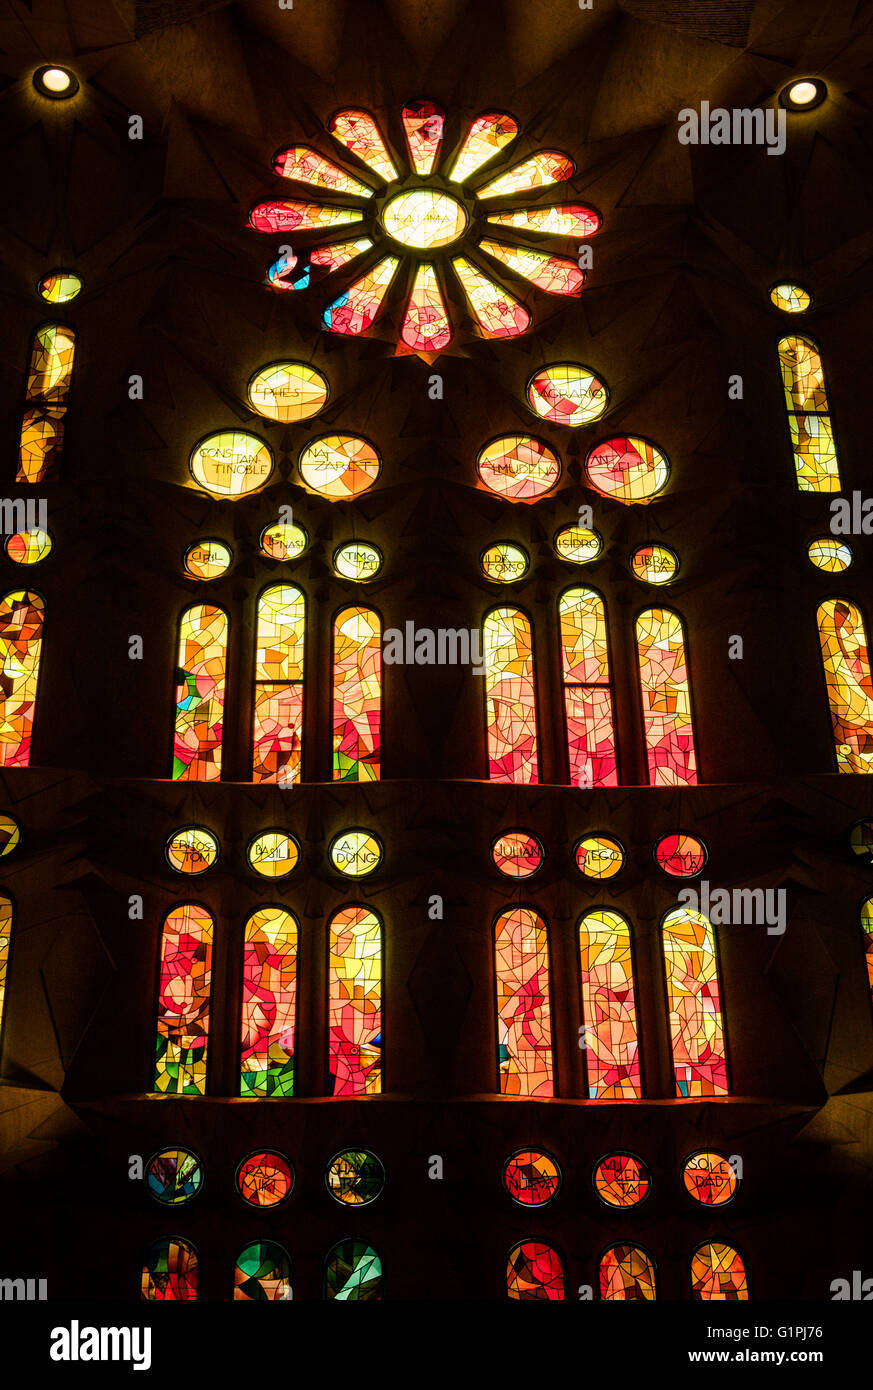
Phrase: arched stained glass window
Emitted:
{"points": [[627, 1274], [269, 1004], [200, 694], [353, 1272], [718, 1273], [846, 664], [866, 925], [278, 709], [183, 1002], [354, 1002], [46, 399], [524, 1023], [694, 1003], [609, 1011], [534, 1269], [809, 421], [262, 1273], [169, 1274], [587, 691], [22, 613], [510, 696], [6, 913], [357, 695], [666, 695]]}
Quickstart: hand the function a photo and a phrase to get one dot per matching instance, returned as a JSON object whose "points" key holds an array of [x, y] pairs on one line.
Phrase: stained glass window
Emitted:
{"points": [[305, 165], [200, 694], [829, 554], [6, 916], [578, 545], [424, 218], [567, 394], [10, 835], [532, 1178], [655, 564], [353, 1272], [278, 705], [192, 850], [278, 217], [809, 421], [355, 853], [510, 696], [570, 220], [283, 541], [627, 1274], [59, 286], [170, 1271], [667, 722], [861, 840], [498, 313], [355, 1002], [609, 1010], [231, 464], [588, 707], [517, 854], [518, 467], [628, 469], [426, 326], [599, 856], [355, 1177], [487, 136], [694, 1004], [359, 133], [423, 125], [28, 547], [718, 1273], [524, 1026], [269, 1004], [288, 391], [174, 1176], [791, 298], [339, 466], [358, 561], [183, 1002], [534, 1269], [846, 665], [262, 1273], [265, 1178], [207, 559], [553, 274], [357, 307], [709, 1178], [866, 925], [621, 1180], [504, 562], [273, 853], [357, 695], [47, 396], [22, 614], [543, 168], [681, 855]]}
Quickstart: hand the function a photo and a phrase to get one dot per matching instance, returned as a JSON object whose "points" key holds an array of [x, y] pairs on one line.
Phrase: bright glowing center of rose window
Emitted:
{"points": [[424, 218]]}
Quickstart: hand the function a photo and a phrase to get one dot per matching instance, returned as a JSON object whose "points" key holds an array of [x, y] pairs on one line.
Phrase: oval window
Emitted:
{"points": [[628, 469], [518, 467], [231, 463], [339, 466]]}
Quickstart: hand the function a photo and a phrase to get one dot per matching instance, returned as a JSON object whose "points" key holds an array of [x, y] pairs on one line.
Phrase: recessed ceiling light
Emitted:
{"points": [[55, 82], [803, 94]]}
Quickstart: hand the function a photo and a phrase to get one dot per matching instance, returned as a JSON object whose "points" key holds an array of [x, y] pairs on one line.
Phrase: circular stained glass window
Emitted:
{"points": [[567, 394], [655, 564], [517, 854], [861, 839], [29, 547], [273, 854], [192, 850], [791, 298], [621, 1180], [10, 834], [532, 1178], [829, 554], [599, 856], [357, 560], [208, 559], [265, 1178], [518, 467], [288, 391], [424, 218], [174, 1176], [628, 469], [283, 542], [355, 1177], [680, 855], [504, 562], [59, 286], [356, 853], [710, 1178], [578, 545], [339, 466], [231, 463]]}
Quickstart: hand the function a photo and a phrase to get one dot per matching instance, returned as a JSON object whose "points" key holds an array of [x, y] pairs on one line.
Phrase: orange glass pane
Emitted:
{"points": [[543, 168], [518, 467], [305, 165], [423, 123], [510, 697], [200, 694], [21, 624], [498, 313], [524, 1024], [571, 220], [356, 308], [553, 274], [487, 136], [426, 327], [357, 695], [359, 133]]}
